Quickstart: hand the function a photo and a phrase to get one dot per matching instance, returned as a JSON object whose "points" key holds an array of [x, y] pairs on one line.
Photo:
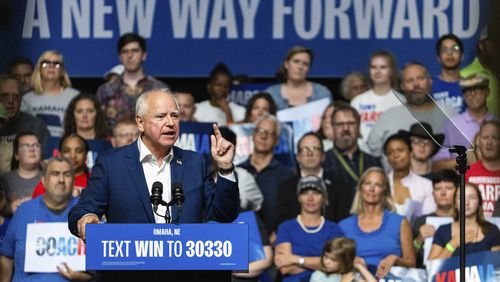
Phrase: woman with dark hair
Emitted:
{"points": [[217, 108], [84, 118], [74, 148], [295, 89], [25, 173], [480, 235], [374, 220], [259, 104], [51, 92]]}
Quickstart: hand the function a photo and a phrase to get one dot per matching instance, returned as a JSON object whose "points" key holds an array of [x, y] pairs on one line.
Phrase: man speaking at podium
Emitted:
{"points": [[122, 178]]}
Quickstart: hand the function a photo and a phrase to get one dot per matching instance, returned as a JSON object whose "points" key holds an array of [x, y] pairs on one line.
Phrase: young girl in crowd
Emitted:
{"points": [[337, 263]]}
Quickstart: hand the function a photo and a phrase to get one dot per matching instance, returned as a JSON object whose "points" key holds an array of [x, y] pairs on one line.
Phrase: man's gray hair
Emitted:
{"points": [[58, 159], [271, 118], [140, 105]]}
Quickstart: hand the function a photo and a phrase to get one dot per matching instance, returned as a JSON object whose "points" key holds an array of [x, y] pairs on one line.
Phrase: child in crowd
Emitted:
{"points": [[337, 263]]}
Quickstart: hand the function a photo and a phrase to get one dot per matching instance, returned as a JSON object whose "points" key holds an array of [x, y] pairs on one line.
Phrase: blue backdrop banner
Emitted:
{"points": [[210, 246], [188, 37]]}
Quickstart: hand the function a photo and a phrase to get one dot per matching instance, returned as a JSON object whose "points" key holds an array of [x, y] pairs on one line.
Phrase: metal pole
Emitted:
{"points": [[462, 169]]}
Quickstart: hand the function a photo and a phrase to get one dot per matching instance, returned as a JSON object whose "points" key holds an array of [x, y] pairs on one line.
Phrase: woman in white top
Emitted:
{"points": [[412, 194]]}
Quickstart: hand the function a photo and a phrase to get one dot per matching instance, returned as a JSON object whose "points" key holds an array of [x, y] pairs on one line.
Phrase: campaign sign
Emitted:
{"points": [[167, 246], [49, 245], [241, 93], [195, 136], [283, 152], [479, 267]]}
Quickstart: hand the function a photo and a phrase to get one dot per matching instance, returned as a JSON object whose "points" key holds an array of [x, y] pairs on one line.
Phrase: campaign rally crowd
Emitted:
{"points": [[354, 203]]}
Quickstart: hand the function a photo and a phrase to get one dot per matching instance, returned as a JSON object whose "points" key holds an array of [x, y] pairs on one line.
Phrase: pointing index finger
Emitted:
{"points": [[217, 132]]}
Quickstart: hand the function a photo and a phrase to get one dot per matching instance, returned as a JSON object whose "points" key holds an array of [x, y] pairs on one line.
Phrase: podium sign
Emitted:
{"points": [[167, 246]]}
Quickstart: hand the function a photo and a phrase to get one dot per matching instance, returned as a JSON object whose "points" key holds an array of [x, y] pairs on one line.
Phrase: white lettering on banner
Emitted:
{"points": [[339, 12], [381, 13], [80, 12], [139, 11], [148, 248], [188, 11], [248, 11], [403, 8], [279, 12], [114, 248], [223, 18], [299, 18], [313, 19], [100, 11], [39, 8], [77, 13], [387, 18]]}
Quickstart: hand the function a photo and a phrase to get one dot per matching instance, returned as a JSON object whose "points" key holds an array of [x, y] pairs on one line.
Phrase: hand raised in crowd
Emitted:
{"points": [[221, 149], [69, 274]]}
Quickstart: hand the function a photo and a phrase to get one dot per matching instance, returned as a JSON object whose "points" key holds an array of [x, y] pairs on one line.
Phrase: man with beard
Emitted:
{"points": [[445, 87], [345, 162], [485, 173], [415, 84]]}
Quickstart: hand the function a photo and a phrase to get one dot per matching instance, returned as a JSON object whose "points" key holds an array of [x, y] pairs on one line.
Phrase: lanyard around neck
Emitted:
{"points": [[347, 167]]}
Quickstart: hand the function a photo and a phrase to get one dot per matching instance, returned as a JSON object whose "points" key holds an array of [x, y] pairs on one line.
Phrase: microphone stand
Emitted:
{"points": [[462, 169]]}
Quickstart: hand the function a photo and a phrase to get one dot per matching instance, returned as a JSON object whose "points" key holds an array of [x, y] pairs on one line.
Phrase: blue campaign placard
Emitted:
{"points": [[167, 247]]}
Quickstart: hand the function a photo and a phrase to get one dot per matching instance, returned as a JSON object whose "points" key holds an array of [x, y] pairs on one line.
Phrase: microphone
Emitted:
{"points": [[156, 193], [177, 194]]}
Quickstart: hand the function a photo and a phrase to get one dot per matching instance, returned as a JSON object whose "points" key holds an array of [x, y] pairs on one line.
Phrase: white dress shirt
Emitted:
{"points": [[153, 173]]}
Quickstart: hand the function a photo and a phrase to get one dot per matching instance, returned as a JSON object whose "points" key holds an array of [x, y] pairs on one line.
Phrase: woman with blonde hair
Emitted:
{"points": [[295, 89], [51, 92], [374, 220]]}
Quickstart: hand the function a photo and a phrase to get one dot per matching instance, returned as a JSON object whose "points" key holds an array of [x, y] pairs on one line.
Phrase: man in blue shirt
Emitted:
{"points": [[53, 206]]}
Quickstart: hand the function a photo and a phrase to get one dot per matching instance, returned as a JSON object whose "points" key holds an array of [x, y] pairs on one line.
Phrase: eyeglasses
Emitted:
{"points": [[5, 97], [26, 146], [264, 132], [454, 49], [46, 63], [342, 124], [421, 141], [305, 150]]}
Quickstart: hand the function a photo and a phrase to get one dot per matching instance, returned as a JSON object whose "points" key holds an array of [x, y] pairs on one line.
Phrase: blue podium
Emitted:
{"points": [[210, 246]]}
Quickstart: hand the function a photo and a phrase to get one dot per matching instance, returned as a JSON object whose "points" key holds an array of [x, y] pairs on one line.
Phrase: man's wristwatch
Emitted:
{"points": [[225, 171], [302, 261]]}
